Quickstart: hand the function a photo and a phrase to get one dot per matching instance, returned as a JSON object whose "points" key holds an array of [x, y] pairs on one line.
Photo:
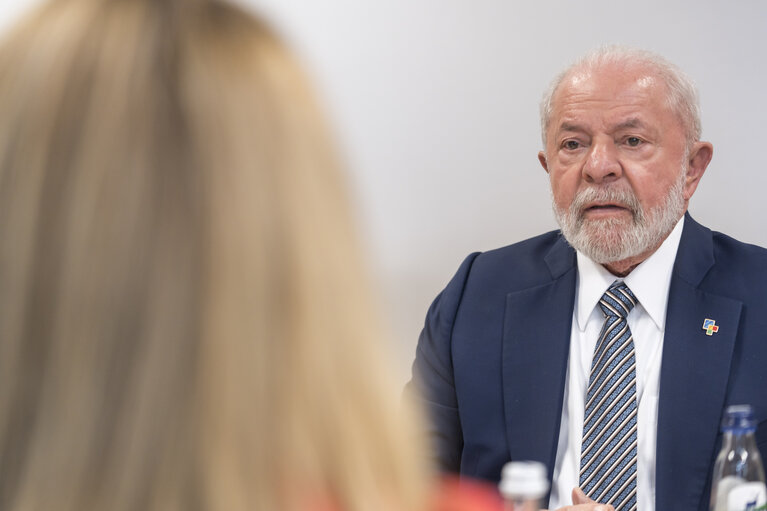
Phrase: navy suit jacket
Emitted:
{"points": [[492, 358]]}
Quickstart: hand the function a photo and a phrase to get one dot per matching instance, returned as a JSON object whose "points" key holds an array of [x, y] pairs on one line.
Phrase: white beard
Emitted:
{"points": [[611, 240]]}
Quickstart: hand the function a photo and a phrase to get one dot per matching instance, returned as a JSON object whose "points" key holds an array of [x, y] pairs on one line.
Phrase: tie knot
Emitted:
{"points": [[618, 300]]}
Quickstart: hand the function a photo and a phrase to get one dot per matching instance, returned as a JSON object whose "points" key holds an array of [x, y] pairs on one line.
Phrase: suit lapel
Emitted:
{"points": [[694, 373], [535, 348]]}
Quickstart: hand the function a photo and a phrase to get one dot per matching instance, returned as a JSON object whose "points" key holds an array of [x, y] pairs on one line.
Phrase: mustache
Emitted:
{"points": [[621, 196]]}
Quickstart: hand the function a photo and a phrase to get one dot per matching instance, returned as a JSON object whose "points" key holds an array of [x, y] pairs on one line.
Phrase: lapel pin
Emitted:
{"points": [[709, 325]]}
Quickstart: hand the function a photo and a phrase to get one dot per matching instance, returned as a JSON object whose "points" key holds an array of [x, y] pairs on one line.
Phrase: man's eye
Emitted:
{"points": [[633, 141], [571, 144]]}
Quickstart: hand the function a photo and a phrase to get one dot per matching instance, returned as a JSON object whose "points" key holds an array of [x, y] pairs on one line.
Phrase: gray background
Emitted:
{"points": [[435, 107]]}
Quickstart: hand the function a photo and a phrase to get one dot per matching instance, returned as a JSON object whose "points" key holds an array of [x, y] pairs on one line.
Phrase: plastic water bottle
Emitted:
{"points": [[523, 485], [738, 481]]}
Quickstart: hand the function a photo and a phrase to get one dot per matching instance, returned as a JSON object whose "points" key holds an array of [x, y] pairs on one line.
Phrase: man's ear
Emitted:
{"points": [[699, 158], [542, 159]]}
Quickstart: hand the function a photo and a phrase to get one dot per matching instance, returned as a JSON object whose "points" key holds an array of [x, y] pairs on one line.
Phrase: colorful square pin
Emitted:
{"points": [[710, 326]]}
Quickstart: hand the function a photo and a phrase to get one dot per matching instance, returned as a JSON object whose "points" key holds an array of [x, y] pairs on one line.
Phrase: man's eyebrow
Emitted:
{"points": [[634, 122], [567, 126]]}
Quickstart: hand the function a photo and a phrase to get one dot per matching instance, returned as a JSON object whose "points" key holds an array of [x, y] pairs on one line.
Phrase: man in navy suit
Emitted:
{"points": [[504, 363]]}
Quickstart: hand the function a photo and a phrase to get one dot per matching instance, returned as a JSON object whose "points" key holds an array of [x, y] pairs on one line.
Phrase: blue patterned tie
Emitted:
{"points": [[609, 446]]}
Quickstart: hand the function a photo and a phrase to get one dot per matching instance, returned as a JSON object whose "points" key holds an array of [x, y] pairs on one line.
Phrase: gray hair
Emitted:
{"points": [[682, 93]]}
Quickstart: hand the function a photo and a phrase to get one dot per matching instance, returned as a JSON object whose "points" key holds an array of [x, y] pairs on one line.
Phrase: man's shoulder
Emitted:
{"points": [[722, 264], [533, 249], [728, 248], [728, 251], [739, 267], [523, 264]]}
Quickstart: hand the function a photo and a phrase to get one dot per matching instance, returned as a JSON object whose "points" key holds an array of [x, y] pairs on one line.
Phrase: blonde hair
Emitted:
{"points": [[184, 319]]}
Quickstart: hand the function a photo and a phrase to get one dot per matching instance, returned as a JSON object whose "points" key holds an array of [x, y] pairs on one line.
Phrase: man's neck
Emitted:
{"points": [[626, 266]]}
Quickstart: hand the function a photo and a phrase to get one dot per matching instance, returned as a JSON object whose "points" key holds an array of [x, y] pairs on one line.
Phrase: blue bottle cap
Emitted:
{"points": [[739, 419]]}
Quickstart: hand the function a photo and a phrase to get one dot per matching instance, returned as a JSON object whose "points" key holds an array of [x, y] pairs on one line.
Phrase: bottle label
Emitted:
{"points": [[747, 497]]}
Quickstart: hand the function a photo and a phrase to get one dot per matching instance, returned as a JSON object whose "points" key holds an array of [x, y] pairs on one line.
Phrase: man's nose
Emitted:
{"points": [[602, 163]]}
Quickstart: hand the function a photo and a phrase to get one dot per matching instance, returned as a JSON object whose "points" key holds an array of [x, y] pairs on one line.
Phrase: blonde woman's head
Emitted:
{"points": [[184, 319]]}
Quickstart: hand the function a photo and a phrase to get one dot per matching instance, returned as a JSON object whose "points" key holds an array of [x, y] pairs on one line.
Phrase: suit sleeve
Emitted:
{"points": [[433, 384]]}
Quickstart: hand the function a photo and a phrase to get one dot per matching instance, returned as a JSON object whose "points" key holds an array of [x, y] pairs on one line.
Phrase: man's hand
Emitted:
{"points": [[582, 503]]}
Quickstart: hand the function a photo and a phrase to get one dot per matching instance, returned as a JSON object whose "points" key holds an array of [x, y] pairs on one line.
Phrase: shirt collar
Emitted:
{"points": [[650, 281]]}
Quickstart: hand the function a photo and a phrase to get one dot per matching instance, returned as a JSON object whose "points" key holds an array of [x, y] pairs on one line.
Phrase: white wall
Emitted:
{"points": [[435, 105]]}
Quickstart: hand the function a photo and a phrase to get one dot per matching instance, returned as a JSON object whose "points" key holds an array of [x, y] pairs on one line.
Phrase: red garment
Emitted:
{"points": [[452, 495], [465, 495]]}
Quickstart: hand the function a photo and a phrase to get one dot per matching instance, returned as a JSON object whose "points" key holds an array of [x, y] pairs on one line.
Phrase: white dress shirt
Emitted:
{"points": [[650, 283]]}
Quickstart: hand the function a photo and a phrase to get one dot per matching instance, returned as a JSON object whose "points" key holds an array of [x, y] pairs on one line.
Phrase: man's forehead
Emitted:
{"points": [[616, 88], [610, 81]]}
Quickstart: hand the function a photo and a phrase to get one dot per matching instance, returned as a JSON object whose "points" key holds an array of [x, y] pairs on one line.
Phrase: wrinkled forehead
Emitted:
{"points": [[610, 82]]}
